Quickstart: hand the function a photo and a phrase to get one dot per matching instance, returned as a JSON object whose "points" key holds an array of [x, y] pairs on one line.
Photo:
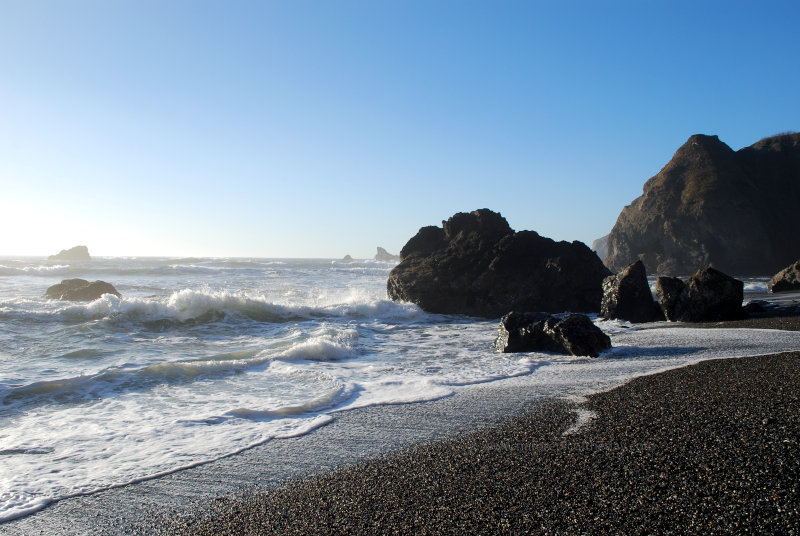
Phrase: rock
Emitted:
{"points": [[755, 308], [347, 258], [712, 206], [668, 293], [80, 290], [572, 334], [475, 264], [787, 280], [519, 332], [384, 256], [708, 296], [78, 253], [627, 296], [600, 246]]}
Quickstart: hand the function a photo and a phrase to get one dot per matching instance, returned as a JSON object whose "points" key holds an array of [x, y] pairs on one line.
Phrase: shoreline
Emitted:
{"points": [[710, 447], [356, 436]]}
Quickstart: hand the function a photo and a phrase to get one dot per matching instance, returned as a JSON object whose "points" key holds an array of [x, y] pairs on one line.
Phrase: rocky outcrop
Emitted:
{"points": [[384, 256], [80, 290], [600, 246], [347, 258], [572, 334], [708, 296], [78, 253], [475, 264], [627, 296], [712, 206], [787, 280]]}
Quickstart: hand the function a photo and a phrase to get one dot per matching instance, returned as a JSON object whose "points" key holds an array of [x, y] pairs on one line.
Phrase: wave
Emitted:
{"points": [[182, 307], [203, 306], [41, 270], [198, 307], [328, 345], [368, 267], [756, 286], [323, 344]]}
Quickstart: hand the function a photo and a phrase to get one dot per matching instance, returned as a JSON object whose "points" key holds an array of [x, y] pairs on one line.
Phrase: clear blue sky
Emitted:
{"points": [[325, 128]]}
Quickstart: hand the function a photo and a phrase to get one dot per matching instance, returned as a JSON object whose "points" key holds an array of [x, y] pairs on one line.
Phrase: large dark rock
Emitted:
{"points": [[78, 253], [384, 256], [708, 296], [80, 290], [787, 280], [668, 293], [712, 206], [572, 334], [627, 296], [475, 264]]}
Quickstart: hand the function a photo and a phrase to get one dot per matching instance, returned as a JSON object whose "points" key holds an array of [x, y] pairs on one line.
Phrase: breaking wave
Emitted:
{"points": [[200, 306], [324, 344], [43, 270]]}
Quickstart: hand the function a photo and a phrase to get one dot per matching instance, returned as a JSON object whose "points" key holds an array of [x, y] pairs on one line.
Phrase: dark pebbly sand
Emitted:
{"points": [[712, 448]]}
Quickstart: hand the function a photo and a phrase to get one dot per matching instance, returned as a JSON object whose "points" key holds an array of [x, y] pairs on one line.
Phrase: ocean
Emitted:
{"points": [[202, 358]]}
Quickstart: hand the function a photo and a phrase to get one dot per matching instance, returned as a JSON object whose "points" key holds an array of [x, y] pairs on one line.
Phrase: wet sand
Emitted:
{"points": [[709, 448]]}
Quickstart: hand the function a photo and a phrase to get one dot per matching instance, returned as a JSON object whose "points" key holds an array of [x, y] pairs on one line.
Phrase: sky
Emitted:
{"points": [[327, 128]]}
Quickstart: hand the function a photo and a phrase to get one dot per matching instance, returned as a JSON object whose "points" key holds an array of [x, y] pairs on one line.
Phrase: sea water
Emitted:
{"points": [[202, 358]]}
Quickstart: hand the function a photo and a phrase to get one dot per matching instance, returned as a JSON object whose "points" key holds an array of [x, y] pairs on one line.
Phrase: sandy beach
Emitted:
{"points": [[709, 448]]}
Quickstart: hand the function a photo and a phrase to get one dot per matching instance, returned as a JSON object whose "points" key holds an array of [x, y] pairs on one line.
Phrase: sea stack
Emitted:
{"points": [[384, 256], [78, 253], [477, 265], [712, 206]]}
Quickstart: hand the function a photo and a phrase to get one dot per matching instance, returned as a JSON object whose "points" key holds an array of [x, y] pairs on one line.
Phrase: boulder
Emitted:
{"points": [[475, 264], [571, 334], [384, 256], [627, 296], [787, 280], [347, 258], [708, 296], [80, 290], [78, 253], [713, 206], [668, 293]]}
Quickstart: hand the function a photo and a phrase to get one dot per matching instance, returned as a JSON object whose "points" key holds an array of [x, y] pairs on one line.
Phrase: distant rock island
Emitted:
{"points": [[475, 264], [78, 253], [711, 206], [384, 256]]}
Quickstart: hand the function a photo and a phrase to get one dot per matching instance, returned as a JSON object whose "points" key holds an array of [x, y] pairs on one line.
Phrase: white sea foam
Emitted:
{"points": [[756, 286], [210, 306]]}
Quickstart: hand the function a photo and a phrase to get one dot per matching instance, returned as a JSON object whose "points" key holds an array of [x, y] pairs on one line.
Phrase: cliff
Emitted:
{"points": [[712, 206]]}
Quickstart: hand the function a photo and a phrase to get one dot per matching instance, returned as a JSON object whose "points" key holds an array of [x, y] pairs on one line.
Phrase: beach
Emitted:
{"points": [[708, 448]]}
